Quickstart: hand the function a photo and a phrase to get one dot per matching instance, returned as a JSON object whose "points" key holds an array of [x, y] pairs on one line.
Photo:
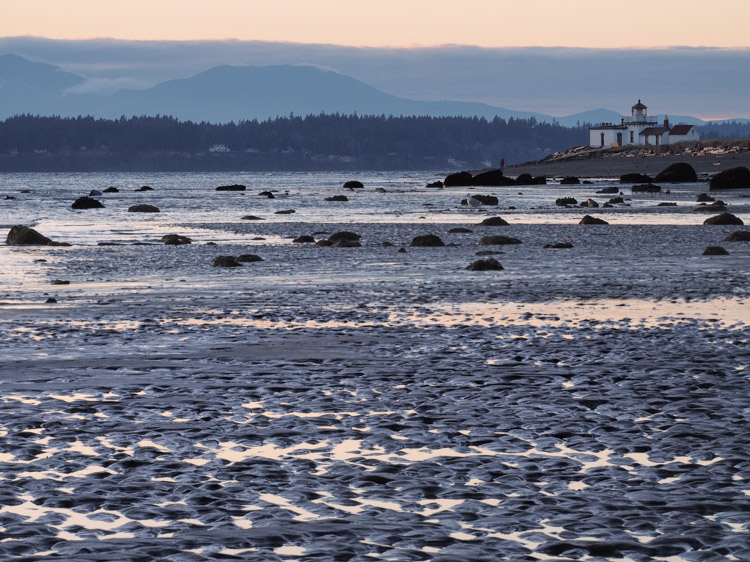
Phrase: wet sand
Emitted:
{"points": [[366, 404]]}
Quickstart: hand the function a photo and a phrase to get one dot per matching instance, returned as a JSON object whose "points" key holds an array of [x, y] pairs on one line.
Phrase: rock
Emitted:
{"points": [[680, 172], [616, 201], [498, 240], [337, 198], [494, 221], [492, 178], [715, 207], [666, 204], [609, 190], [489, 253], [704, 198], [738, 236], [249, 258], [324, 243], [94, 193], [176, 240], [734, 178], [635, 177], [592, 204], [145, 188], [346, 244], [233, 187], [588, 219], [460, 230], [225, 261], [570, 180], [401, 251], [21, 235], [353, 184], [111, 190], [285, 212], [564, 201], [527, 179], [559, 245], [50, 300], [646, 188], [61, 282], [267, 194], [427, 240], [304, 239], [483, 199], [715, 251], [457, 179], [87, 203], [143, 208], [724, 219], [252, 218], [344, 235], [490, 264], [437, 183]]}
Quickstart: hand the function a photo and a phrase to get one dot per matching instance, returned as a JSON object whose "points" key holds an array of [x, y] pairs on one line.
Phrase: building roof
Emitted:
{"points": [[639, 105], [654, 131], [680, 130], [608, 126]]}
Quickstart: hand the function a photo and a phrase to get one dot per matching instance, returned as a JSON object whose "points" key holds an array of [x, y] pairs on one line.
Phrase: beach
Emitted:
{"points": [[378, 401]]}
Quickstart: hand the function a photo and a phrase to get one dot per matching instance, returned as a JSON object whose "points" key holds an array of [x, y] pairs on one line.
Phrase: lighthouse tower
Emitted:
{"points": [[638, 113]]}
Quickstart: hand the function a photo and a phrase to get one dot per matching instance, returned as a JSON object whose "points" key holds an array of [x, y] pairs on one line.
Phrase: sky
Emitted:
{"points": [[391, 23]]}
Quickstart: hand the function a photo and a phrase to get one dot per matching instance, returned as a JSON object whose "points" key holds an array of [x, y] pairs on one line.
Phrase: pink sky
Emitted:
{"points": [[396, 23]]}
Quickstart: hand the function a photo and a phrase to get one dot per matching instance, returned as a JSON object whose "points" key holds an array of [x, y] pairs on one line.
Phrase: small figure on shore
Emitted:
{"points": [[502, 164]]}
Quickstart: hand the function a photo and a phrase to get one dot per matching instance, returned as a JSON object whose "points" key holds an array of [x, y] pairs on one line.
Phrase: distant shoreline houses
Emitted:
{"points": [[640, 130]]}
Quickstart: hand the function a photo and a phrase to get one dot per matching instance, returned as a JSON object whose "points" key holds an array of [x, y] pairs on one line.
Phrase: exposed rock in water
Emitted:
{"points": [[427, 240], [145, 188], [704, 198], [176, 240], [353, 184], [267, 194], [460, 230], [564, 201], [588, 219], [492, 178], [559, 245], [143, 208], [344, 235], [233, 187], [646, 188], [715, 207], [248, 258], [457, 179], [337, 198], [225, 261], [304, 239], [494, 221], [87, 203], [592, 204], [715, 251], [527, 179], [724, 219], [635, 177], [94, 193], [680, 172], [490, 264], [437, 184], [111, 190], [616, 201], [498, 240], [285, 212], [570, 180], [613, 190], [483, 199], [252, 218], [346, 244], [738, 236], [21, 235], [734, 178]]}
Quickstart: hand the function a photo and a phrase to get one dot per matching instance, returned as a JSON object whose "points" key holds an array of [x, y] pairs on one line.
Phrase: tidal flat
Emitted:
{"points": [[377, 402]]}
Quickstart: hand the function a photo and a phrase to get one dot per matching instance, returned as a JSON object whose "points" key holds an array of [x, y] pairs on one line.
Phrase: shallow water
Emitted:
{"points": [[360, 403]]}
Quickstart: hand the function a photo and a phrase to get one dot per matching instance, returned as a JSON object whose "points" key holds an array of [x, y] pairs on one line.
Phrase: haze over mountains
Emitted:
{"points": [[233, 93]]}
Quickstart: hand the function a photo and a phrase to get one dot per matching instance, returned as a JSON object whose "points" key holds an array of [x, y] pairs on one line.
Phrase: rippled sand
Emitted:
{"points": [[365, 404]]}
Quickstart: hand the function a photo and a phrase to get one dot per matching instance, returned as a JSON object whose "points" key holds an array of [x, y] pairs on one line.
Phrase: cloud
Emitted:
{"points": [[104, 86], [558, 81]]}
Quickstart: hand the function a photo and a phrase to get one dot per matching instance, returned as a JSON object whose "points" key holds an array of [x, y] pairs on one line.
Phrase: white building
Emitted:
{"points": [[639, 130]]}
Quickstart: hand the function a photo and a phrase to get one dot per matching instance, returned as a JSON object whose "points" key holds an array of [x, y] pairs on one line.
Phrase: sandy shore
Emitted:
{"points": [[615, 165]]}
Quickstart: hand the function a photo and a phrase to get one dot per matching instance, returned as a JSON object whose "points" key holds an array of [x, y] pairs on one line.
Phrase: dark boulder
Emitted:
{"points": [[591, 204], [233, 187], [427, 240], [145, 188], [267, 194], [635, 177], [304, 239], [738, 236], [494, 221], [21, 235], [457, 179], [613, 190], [490, 264], [87, 203], [528, 179], [176, 240], [498, 240], [734, 178], [225, 261], [285, 212], [324, 242], [111, 190], [460, 230], [724, 219], [616, 201], [337, 198], [484, 199], [94, 193], [564, 201], [559, 245], [704, 198], [252, 218], [680, 172], [248, 258], [715, 251], [143, 209], [715, 207], [570, 180], [588, 219], [437, 184], [492, 178], [344, 235], [346, 244], [353, 184], [646, 188]]}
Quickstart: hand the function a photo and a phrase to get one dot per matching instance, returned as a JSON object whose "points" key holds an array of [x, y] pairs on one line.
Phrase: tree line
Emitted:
{"points": [[405, 141]]}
